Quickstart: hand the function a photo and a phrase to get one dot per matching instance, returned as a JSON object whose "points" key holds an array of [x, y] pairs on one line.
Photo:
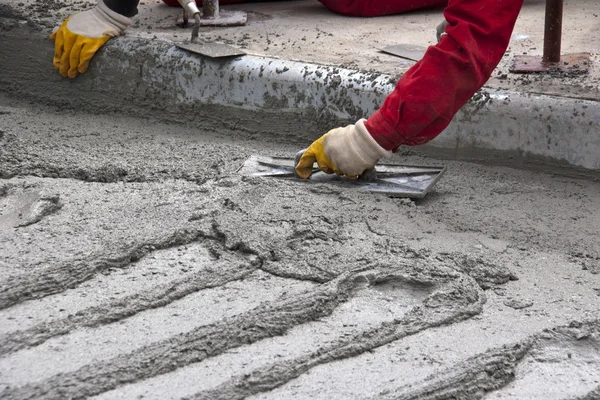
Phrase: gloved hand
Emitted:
{"points": [[81, 35], [345, 151], [441, 30]]}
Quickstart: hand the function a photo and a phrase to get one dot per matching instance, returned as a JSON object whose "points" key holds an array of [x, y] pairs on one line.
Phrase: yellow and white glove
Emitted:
{"points": [[81, 35], [344, 151]]}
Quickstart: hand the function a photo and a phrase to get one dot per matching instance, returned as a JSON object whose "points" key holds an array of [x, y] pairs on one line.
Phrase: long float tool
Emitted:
{"points": [[412, 181]]}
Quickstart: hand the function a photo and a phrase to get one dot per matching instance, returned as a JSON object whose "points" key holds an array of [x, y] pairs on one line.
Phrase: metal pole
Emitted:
{"points": [[553, 30], [210, 9]]}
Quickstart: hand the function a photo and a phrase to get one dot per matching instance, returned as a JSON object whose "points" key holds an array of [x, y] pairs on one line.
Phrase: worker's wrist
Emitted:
{"points": [[126, 8], [118, 21], [367, 148], [381, 131]]}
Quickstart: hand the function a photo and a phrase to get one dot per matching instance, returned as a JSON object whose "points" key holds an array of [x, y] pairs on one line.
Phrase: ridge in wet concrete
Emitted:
{"points": [[178, 277], [367, 307]]}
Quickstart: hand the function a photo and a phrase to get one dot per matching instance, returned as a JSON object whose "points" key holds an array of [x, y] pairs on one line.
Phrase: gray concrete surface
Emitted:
{"points": [[164, 274], [136, 263]]}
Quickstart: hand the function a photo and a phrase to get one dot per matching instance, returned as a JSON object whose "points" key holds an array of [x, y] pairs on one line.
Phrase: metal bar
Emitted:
{"points": [[553, 30], [210, 9], [196, 29]]}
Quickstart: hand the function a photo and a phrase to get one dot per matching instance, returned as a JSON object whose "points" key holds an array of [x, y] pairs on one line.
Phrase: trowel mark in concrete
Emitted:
{"points": [[326, 244], [459, 299], [562, 363], [203, 342], [555, 364], [46, 259], [174, 264], [470, 379], [298, 223], [89, 346], [414, 358], [454, 302], [369, 306], [133, 292], [35, 206], [56, 279], [28, 206]]}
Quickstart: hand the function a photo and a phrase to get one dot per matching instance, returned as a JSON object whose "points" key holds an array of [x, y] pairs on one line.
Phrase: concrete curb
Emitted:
{"points": [[559, 130], [257, 83], [529, 127], [508, 126]]}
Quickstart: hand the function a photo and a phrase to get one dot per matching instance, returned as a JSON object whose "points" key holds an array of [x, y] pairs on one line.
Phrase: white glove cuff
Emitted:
{"points": [[118, 21], [365, 146]]}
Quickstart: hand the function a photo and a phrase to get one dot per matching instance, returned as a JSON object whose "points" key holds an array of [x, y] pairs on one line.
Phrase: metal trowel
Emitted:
{"points": [[209, 49], [213, 50], [407, 51], [410, 181]]}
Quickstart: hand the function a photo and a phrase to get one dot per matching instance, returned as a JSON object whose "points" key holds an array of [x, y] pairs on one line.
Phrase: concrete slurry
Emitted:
{"points": [[136, 263]]}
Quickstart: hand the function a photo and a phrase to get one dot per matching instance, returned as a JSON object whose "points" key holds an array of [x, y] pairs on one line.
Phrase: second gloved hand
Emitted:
{"points": [[81, 35], [344, 151]]}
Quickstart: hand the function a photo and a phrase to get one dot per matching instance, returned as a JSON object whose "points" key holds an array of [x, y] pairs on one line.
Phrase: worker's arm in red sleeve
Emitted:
{"points": [[430, 93], [377, 8]]}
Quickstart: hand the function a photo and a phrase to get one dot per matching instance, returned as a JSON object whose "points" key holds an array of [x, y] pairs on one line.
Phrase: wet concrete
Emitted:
{"points": [[165, 274], [136, 263]]}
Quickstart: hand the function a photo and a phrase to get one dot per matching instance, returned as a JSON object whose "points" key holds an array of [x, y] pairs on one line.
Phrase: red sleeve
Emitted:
{"points": [[376, 8], [433, 90]]}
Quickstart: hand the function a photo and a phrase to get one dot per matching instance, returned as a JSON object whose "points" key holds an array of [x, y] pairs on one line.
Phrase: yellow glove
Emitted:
{"points": [[344, 151], [82, 34]]}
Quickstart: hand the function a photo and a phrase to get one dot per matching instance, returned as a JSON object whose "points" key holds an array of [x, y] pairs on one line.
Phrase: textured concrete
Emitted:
{"points": [[135, 262], [165, 274]]}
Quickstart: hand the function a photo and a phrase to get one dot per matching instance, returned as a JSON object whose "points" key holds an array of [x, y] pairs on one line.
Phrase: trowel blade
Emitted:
{"points": [[412, 52], [213, 50], [410, 181]]}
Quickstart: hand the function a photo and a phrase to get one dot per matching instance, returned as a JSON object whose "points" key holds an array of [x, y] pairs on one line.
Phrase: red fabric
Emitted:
{"points": [[376, 8], [175, 3], [430, 93]]}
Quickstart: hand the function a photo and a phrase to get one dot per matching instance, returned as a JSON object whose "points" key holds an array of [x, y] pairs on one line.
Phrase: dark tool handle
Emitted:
{"points": [[369, 175]]}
